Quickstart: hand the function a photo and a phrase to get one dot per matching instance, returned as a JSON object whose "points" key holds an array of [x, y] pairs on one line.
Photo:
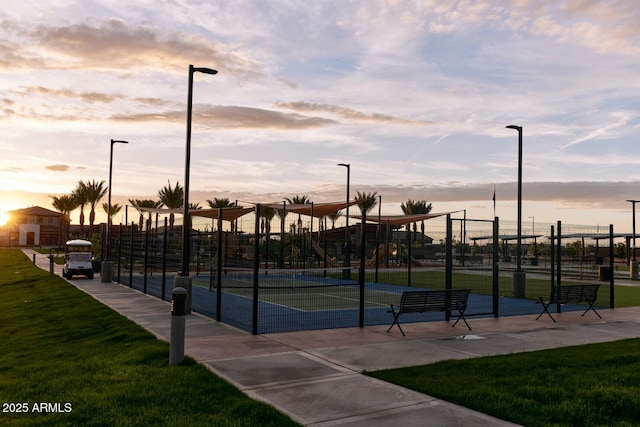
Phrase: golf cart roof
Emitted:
{"points": [[78, 242]]}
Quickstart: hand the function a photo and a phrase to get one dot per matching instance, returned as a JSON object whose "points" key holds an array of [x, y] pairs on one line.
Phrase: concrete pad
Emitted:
{"points": [[490, 344], [229, 346], [630, 328], [374, 357], [335, 398], [569, 335], [273, 369], [331, 337], [435, 413]]}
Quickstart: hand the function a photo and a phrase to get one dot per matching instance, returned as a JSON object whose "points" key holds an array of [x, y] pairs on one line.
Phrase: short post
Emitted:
{"points": [[178, 312], [51, 272], [34, 258]]}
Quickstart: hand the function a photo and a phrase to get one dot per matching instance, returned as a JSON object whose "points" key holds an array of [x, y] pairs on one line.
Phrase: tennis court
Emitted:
{"points": [[301, 289]]}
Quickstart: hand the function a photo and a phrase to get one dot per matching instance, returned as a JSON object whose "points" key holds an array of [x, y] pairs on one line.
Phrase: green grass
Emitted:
{"points": [[625, 296], [62, 346], [590, 385]]}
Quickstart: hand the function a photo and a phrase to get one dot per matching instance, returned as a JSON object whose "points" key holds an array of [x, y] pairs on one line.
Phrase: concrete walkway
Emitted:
{"points": [[316, 376]]}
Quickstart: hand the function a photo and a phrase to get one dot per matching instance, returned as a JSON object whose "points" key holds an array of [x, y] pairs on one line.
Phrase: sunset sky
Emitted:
{"points": [[415, 95]]}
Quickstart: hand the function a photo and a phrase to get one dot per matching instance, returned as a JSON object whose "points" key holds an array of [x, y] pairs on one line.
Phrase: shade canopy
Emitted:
{"points": [[317, 210], [399, 220]]}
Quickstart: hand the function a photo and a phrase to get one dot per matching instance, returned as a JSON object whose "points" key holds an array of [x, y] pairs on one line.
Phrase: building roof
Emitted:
{"points": [[34, 210]]}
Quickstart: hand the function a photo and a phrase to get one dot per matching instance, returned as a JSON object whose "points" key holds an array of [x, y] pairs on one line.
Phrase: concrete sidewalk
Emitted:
{"points": [[315, 376]]}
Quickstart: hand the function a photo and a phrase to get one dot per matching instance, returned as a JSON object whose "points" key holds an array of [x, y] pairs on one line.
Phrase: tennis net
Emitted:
{"points": [[233, 278]]}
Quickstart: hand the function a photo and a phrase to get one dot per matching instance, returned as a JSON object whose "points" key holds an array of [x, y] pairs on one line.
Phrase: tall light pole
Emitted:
{"points": [[633, 266], [106, 265], [183, 279], [518, 275], [347, 257]]}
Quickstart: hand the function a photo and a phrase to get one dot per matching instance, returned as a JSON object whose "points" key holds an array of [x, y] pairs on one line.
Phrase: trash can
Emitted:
{"points": [[604, 273]]}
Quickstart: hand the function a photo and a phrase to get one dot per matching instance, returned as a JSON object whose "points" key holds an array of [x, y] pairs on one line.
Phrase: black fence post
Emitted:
{"points": [[611, 278], [256, 269], [219, 268], [146, 254], [119, 253], [449, 261], [165, 242], [559, 264], [131, 255], [363, 255], [496, 273]]}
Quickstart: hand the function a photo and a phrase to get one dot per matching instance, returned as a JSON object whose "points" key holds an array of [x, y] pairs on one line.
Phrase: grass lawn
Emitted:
{"points": [[625, 296], [63, 349], [590, 385]]}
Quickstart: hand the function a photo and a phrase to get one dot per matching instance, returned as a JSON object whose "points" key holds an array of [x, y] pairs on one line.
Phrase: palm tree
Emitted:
{"points": [[81, 195], [95, 191], [141, 204], [366, 201], [299, 200], [64, 204], [416, 207], [115, 209], [220, 203], [334, 217], [172, 198]]}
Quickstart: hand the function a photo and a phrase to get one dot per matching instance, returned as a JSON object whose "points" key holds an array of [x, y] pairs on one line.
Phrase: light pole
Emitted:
{"points": [[183, 279], [347, 258], [519, 275], [107, 265], [633, 266]]}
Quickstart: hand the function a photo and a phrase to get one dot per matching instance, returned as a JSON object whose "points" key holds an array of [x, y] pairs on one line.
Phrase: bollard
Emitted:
{"points": [[51, 264], [178, 312], [34, 258]]}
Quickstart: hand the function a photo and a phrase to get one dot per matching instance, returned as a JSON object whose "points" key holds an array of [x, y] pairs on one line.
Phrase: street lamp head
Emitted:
{"points": [[346, 165], [516, 127], [203, 70], [114, 141]]}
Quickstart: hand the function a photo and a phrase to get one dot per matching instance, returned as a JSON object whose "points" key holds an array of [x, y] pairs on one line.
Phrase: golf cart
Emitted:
{"points": [[77, 259]]}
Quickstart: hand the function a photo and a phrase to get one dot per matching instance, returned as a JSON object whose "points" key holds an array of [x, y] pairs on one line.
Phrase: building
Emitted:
{"points": [[34, 226]]}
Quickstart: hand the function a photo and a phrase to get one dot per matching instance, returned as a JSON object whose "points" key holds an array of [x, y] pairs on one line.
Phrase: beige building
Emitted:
{"points": [[34, 226]]}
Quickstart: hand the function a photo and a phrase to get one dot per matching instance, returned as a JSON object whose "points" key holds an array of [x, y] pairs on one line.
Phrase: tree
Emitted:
{"points": [[141, 204], [415, 208], [81, 195], [334, 217], [172, 198], [574, 249], [64, 204], [366, 201], [94, 191], [298, 200], [220, 203], [115, 209]]}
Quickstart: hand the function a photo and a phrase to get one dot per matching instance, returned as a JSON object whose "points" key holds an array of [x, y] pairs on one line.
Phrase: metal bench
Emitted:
{"points": [[570, 294], [431, 300]]}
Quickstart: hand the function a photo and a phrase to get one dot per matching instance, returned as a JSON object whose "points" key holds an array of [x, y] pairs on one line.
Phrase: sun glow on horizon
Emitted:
{"points": [[4, 217]]}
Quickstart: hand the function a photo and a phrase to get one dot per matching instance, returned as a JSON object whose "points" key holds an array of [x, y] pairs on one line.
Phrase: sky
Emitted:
{"points": [[414, 95]]}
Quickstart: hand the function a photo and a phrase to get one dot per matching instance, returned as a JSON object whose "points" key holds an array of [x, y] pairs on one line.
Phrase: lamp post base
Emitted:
{"points": [[184, 282], [106, 268], [519, 284]]}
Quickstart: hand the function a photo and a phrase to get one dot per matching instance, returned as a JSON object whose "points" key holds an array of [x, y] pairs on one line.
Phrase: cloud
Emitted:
{"points": [[348, 113], [89, 97], [57, 168], [114, 44], [231, 117]]}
